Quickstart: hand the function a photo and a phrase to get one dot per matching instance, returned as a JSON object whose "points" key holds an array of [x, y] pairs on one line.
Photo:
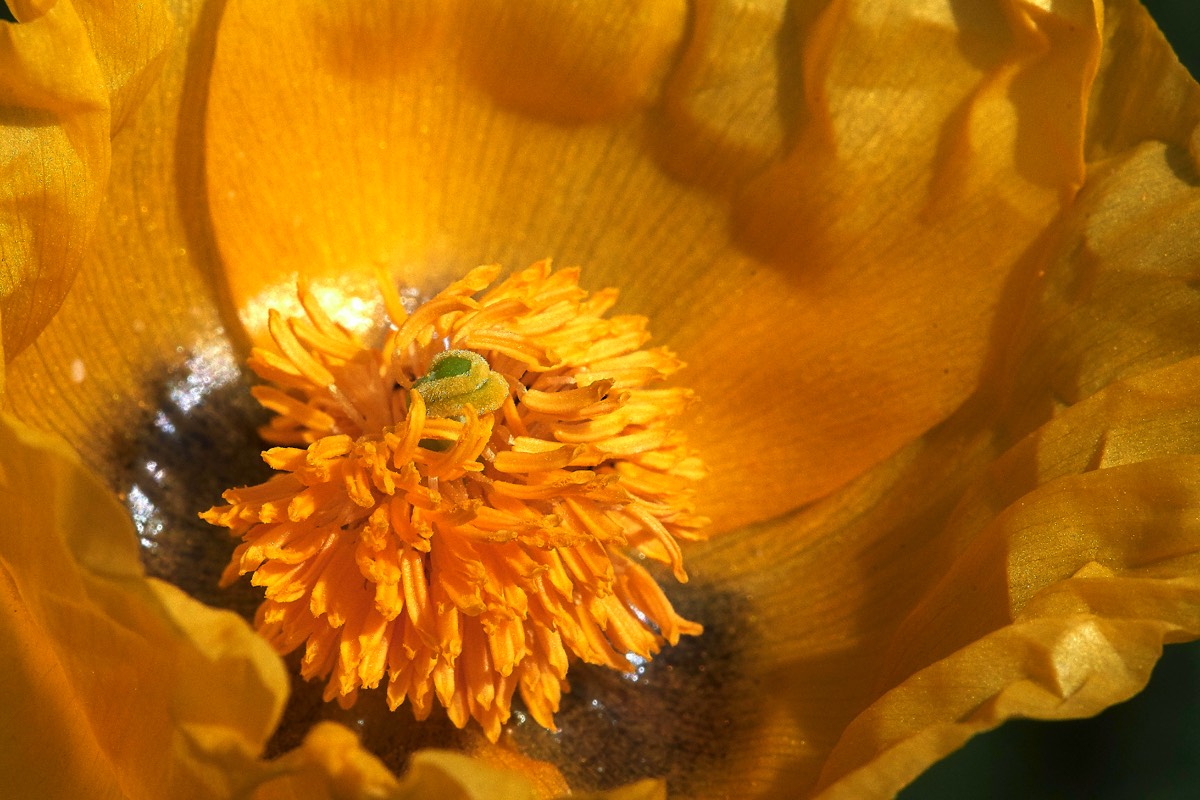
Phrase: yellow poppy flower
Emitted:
{"points": [[931, 267]]}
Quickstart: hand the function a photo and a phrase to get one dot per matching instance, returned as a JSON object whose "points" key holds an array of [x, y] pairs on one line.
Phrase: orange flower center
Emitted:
{"points": [[467, 508]]}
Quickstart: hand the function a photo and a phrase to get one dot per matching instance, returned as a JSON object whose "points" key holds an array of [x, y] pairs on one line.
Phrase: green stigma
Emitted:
{"points": [[458, 378]]}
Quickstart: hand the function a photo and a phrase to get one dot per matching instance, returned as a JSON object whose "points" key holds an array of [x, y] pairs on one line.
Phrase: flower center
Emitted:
{"points": [[466, 521], [457, 378]]}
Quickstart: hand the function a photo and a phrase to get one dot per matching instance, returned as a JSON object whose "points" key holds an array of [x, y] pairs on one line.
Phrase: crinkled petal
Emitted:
{"points": [[54, 134], [1030, 556], [143, 310], [143, 692], [1026, 556], [1138, 73], [1060, 601], [778, 211]]}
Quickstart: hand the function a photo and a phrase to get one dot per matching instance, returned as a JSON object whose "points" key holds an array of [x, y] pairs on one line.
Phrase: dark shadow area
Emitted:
{"points": [[672, 718], [1181, 164], [197, 440], [393, 736], [1179, 21], [5, 14], [1146, 748]]}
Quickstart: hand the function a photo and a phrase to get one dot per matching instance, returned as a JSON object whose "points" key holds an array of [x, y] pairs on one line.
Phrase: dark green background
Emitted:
{"points": [[1180, 21]]}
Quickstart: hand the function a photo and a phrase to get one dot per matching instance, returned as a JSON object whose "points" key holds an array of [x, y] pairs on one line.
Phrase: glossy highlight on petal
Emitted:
{"points": [[465, 508]]}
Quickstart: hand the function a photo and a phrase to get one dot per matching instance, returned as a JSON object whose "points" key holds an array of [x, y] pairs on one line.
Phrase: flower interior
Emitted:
{"points": [[469, 507]]}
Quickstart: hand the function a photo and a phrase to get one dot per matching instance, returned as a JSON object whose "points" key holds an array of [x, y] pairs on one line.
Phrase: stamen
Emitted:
{"points": [[391, 298], [460, 522]]}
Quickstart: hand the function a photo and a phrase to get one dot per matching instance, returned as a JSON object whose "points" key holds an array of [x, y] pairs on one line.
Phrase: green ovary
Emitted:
{"points": [[458, 378]]}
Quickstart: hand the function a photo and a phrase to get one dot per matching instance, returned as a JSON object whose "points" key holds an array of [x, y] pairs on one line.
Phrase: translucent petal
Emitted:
{"points": [[54, 134], [782, 250], [143, 312]]}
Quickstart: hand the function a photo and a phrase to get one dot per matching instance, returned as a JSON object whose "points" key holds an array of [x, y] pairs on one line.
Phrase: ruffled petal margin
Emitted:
{"points": [[142, 692], [1030, 556], [138, 690]]}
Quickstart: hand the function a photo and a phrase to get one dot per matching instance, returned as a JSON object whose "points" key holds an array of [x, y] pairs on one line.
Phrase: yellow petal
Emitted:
{"points": [[792, 232], [54, 137], [149, 692], [732, 100], [130, 42], [1030, 556], [331, 765], [641, 790], [142, 316], [892, 228], [29, 10], [580, 61], [967, 578], [1059, 603]]}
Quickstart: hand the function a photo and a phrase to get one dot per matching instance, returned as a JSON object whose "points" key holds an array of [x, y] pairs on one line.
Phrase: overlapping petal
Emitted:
{"points": [[1031, 555], [130, 41], [840, 208], [895, 266], [142, 691], [144, 316], [144, 303], [54, 139], [72, 72]]}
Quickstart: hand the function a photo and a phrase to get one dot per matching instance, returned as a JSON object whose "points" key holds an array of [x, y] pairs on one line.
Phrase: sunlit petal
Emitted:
{"points": [[151, 693], [933, 266], [841, 210], [54, 134], [143, 309], [330, 764], [130, 41], [1030, 556]]}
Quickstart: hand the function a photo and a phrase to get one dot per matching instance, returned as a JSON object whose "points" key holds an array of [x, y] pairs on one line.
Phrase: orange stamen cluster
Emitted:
{"points": [[470, 555]]}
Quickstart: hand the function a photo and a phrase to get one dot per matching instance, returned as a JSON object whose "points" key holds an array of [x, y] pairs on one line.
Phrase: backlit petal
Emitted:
{"points": [[54, 135], [130, 41], [896, 266], [143, 312], [833, 215]]}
